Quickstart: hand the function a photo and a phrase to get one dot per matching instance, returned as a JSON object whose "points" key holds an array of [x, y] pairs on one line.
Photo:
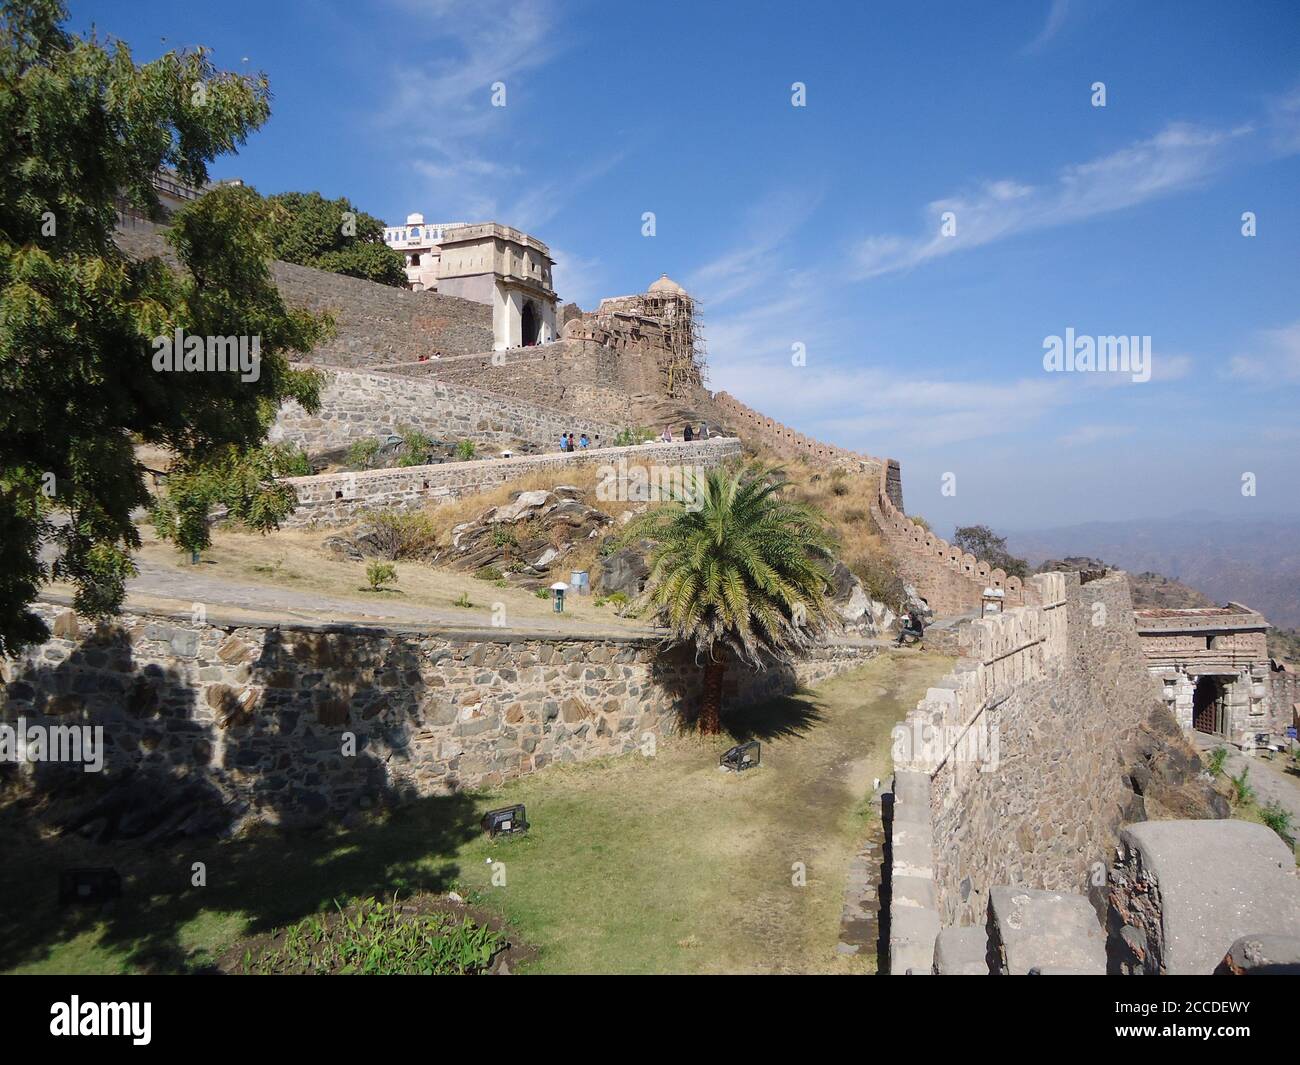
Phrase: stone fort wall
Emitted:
{"points": [[577, 376], [358, 405], [952, 581], [1012, 769], [790, 443], [375, 323], [339, 498], [258, 715]]}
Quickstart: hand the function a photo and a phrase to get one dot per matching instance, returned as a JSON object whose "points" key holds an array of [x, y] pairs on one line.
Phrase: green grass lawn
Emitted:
{"points": [[635, 864]]}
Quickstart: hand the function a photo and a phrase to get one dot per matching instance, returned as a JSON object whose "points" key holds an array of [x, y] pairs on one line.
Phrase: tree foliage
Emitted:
{"points": [[82, 125], [332, 235], [988, 546]]}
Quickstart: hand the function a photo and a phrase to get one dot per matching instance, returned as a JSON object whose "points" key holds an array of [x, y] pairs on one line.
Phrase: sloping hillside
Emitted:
{"points": [[1256, 562]]}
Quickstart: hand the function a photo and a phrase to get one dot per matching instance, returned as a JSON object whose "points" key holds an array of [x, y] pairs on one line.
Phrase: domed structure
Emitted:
{"points": [[666, 286]]}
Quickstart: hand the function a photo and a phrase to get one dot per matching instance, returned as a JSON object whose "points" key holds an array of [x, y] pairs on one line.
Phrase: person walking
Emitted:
{"points": [[688, 434], [583, 442]]}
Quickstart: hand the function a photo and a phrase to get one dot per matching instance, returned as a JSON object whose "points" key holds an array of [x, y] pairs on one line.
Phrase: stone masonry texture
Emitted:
{"points": [[338, 498], [374, 323], [1058, 690], [259, 714], [357, 406]]}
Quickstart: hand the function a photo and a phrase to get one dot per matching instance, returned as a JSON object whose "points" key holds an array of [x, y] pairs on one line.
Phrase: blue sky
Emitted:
{"points": [[820, 225]]}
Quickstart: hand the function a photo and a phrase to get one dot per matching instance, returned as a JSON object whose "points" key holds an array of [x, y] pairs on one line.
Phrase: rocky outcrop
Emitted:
{"points": [[1165, 774], [625, 570], [526, 537]]}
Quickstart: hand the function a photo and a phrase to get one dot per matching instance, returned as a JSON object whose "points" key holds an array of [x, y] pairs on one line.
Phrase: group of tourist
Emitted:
{"points": [[688, 433], [568, 442]]}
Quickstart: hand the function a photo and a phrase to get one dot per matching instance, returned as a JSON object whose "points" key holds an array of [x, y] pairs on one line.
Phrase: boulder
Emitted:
{"points": [[625, 570], [366, 540], [528, 535]]}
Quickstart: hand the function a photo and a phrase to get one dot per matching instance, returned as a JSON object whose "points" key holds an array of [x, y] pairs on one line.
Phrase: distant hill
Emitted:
{"points": [[1256, 562], [1149, 589]]}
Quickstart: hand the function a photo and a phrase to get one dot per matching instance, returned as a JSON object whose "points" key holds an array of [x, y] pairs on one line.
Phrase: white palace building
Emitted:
{"points": [[485, 262]]}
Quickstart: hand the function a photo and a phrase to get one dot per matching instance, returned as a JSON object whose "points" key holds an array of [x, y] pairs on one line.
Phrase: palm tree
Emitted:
{"points": [[739, 569]]}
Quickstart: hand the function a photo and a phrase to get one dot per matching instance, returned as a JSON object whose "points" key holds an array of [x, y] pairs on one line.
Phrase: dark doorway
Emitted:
{"points": [[529, 326], [1207, 706]]}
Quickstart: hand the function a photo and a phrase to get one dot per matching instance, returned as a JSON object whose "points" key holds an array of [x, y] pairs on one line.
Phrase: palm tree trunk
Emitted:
{"points": [[711, 709]]}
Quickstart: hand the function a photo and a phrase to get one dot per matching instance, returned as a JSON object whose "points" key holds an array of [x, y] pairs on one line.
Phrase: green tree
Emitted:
{"points": [[988, 546], [82, 125], [738, 570], [332, 235]]}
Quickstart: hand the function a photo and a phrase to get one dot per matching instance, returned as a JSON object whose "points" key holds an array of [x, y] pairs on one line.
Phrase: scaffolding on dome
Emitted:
{"points": [[678, 317]]}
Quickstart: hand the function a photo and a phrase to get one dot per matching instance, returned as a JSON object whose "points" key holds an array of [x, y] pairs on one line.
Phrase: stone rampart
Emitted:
{"points": [[358, 405], [338, 498], [279, 722], [375, 323], [750, 425], [952, 581], [1012, 769]]}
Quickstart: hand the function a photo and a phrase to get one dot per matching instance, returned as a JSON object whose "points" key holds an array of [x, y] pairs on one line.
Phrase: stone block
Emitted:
{"points": [[913, 891], [912, 933], [1265, 954], [1216, 881], [962, 952], [1046, 931]]}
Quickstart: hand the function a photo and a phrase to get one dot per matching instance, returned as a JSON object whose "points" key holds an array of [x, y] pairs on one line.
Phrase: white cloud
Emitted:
{"points": [[879, 410], [1179, 156], [1092, 434], [577, 279], [1055, 20], [1276, 357], [440, 100], [761, 254]]}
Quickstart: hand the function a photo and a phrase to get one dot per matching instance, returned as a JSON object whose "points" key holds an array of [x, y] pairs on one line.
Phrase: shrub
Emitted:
{"points": [[417, 446], [380, 573], [362, 452], [880, 580], [1218, 758], [466, 450], [289, 461], [405, 534], [375, 938], [488, 573], [629, 436], [1242, 792], [1278, 818], [542, 593], [462, 600], [918, 520]]}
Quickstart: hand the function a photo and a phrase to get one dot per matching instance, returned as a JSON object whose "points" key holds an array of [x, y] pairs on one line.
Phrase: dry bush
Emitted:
{"points": [[845, 497]]}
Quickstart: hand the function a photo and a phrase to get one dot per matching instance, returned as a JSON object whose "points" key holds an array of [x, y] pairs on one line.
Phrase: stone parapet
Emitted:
{"points": [[338, 498], [282, 722], [1018, 756]]}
